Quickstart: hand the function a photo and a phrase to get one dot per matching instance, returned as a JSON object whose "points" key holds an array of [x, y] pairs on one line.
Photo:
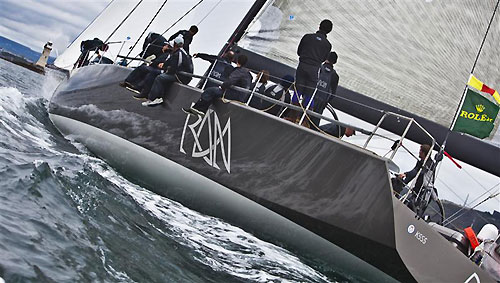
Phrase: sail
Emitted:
{"points": [[207, 16], [414, 55]]}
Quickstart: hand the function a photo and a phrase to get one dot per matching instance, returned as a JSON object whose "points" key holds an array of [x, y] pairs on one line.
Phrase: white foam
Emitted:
{"points": [[221, 246], [19, 123], [51, 81]]}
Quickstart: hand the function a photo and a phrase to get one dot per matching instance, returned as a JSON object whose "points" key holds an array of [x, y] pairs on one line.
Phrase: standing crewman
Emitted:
{"points": [[313, 50], [187, 35], [327, 86]]}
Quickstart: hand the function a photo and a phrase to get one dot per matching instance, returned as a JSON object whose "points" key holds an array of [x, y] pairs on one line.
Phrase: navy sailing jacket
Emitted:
{"points": [[220, 71], [240, 77], [327, 83]]}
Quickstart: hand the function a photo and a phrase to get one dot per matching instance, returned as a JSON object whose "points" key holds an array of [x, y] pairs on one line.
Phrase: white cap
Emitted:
{"points": [[488, 232], [179, 40]]}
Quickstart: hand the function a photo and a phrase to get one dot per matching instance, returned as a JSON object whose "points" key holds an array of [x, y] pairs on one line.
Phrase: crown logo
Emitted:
{"points": [[480, 108]]}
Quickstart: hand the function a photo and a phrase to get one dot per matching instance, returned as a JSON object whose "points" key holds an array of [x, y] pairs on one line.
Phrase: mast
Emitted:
{"points": [[238, 32], [242, 27]]}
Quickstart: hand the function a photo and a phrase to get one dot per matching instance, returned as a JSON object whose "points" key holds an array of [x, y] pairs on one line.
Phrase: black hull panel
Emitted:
{"points": [[332, 190]]}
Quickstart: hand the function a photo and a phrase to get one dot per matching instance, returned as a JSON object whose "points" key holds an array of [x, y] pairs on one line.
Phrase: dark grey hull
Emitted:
{"points": [[269, 176]]}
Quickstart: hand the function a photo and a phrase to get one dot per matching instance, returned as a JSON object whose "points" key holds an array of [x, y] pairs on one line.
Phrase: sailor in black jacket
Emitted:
{"points": [[135, 79], [313, 50], [88, 48], [187, 35], [426, 176], [239, 77], [179, 61]]}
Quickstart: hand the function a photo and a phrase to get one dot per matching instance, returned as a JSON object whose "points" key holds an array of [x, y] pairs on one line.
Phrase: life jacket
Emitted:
{"points": [[184, 64], [471, 236], [276, 92], [256, 101], [221, 71], [324, 83]]}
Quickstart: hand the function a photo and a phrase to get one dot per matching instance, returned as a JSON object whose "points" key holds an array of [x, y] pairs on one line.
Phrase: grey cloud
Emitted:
{"points": [[32, 23]]}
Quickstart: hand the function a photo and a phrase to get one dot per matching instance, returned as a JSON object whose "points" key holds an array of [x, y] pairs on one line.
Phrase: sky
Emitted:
{"points": [[34, 22]]}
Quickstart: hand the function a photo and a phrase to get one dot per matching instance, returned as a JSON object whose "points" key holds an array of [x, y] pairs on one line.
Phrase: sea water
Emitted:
{"points": [[66, 216]]}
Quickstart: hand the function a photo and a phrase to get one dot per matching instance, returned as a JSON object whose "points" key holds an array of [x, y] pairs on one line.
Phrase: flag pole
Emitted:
{"points": [[439, 156]]}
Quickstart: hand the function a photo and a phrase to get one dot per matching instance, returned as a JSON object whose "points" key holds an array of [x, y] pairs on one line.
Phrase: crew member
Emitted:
{"points": [[337, 130], [326, 87], [135, 80], [153, 45], [279, 92], [240, 77], [187, 35], [88, 46], [222, 68], [313, 50], [179, 61], [425, 178], [259, 86]]}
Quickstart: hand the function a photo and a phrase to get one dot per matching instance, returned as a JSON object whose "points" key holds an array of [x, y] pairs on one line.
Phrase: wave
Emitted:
{"points": [[217, 244], [65, 215]]}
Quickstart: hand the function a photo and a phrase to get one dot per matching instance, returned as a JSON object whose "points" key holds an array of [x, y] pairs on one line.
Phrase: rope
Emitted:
{"points": [[338, 97]]}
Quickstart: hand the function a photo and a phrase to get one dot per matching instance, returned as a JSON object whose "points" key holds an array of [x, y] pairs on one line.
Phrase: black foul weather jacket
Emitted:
{"points": [[186, 35], [240, 77], [314, 49]]}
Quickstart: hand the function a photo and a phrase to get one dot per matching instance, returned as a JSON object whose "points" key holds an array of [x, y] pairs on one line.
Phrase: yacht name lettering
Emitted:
{"points": [[473, 276], [421, 237], [216, 74], [215, 139], [322, 84], [475, 116]]}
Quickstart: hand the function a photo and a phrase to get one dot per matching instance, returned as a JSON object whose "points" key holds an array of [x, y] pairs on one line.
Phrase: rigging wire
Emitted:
{"points": [[185, 14], [98, 15], [472, 71], [126, 17], [150, 22], [209, 12], [452, 191], [451, 219]]}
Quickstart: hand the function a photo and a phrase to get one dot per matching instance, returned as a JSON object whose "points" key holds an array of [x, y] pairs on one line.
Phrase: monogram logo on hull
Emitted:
{"points": [[218, 138]]}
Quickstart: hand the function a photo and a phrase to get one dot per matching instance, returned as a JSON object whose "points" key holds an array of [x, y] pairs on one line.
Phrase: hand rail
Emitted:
{"points": [[336, 122], [281, 103]]}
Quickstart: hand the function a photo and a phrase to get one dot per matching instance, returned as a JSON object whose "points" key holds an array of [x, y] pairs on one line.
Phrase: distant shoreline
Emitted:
{"points": [[21, 61]]}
